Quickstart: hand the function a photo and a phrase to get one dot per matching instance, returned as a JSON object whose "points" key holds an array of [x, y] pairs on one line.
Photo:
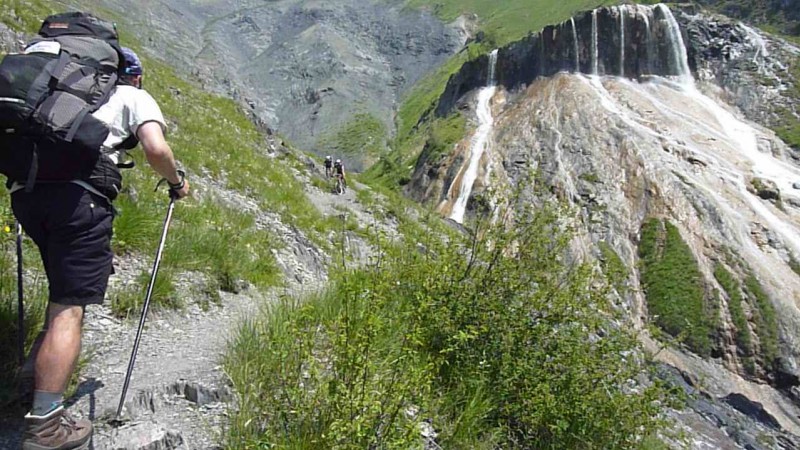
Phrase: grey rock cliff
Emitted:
{"points": [[305, 68]]}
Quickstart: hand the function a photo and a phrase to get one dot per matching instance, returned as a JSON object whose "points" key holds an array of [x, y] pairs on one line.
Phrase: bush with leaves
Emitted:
{"points": [[502, 340]]}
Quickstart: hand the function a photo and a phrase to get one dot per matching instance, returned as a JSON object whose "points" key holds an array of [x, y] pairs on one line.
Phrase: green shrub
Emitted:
{"points": [[674, 287], [589, 177], [766, 321], [615, 270], [734, 290], [509, 347]]}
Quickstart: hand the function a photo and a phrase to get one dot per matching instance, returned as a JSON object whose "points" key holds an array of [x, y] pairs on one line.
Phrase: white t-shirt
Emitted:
{"points": [[126, 110]]}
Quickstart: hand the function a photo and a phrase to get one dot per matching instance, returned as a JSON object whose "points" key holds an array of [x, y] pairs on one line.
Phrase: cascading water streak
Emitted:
{"points": [[595, 63], [680, 58], [622, 12], [740, 136], [759, 41], [492, 66], [479, 145], [650, 48], [576, 48]]}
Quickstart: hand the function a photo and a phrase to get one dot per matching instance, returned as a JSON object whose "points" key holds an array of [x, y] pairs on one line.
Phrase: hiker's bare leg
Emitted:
{"points": [[60, 348], [30, 360]]}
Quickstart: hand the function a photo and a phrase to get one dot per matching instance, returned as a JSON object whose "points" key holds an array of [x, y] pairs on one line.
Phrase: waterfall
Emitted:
{"points": [[577, 49], [479, 145], [758, 41], [492, 65], [650, 47], [595, 62], [622, 40], [679, 57]]}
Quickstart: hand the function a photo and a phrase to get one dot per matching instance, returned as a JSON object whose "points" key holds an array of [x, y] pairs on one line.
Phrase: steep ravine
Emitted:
{"points": [[662, 126], [304, 68]]}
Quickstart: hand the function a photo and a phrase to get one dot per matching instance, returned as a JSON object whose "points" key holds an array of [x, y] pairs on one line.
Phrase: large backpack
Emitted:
{"points": [[47, 95]]}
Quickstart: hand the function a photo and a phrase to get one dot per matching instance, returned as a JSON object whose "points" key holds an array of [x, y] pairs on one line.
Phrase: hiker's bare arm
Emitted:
{"points": [[159, 155]]}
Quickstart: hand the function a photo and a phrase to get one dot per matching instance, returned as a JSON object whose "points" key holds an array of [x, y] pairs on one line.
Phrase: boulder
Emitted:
{"points": [[766, 189]]}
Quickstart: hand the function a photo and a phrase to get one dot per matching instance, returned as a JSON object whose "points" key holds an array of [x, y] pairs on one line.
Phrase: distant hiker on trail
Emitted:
{"points": [[339, 173], [65, 205], [328, 166]]}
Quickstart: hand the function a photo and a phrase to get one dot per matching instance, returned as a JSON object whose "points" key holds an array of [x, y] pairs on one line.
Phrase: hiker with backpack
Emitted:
{"points": [[341, 178], [328, 166], [71, 105]]}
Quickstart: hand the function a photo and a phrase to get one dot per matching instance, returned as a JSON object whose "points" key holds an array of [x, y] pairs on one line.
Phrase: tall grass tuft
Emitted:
{"points": [[35, 304]]}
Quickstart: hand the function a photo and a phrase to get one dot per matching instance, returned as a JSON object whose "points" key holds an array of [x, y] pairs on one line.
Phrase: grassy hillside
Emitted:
{"points": [[211, 136], [215, 141], [508, 20]]}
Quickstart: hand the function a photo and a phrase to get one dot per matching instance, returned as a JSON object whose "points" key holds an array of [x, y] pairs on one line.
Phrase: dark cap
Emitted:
{"points": [[133, 66]]}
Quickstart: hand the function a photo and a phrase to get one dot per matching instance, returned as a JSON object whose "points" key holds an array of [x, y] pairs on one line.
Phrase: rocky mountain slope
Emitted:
{"points": [[656, 128], [305, 68], [785, 14]]}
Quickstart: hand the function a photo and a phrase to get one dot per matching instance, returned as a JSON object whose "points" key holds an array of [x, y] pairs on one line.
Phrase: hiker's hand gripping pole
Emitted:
{"points": [[174, 194], [177, 190]]}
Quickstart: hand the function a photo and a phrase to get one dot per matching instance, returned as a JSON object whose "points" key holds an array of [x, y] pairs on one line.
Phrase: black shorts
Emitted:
{"points": [[72, 228]]}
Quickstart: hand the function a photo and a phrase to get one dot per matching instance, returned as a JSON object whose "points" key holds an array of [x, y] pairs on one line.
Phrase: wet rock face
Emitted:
{"points": [[732, 421], [785, 12], [620, 152], [641, 142], [637, 42], [633, 41], [755, 69]]}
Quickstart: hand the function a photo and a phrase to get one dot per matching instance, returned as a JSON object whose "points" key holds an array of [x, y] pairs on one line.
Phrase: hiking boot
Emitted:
{"points": [[56, 431]]}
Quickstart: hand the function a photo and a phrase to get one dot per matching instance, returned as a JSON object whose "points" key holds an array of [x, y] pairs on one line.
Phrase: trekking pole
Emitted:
{"points": [[172, 198], [20, 302]]}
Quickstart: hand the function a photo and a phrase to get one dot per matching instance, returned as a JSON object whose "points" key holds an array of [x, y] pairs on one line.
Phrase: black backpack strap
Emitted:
{"points": [[40, 89], [33, 170], [129, 143], [73, 130], [106, 92], [58, 70]]}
